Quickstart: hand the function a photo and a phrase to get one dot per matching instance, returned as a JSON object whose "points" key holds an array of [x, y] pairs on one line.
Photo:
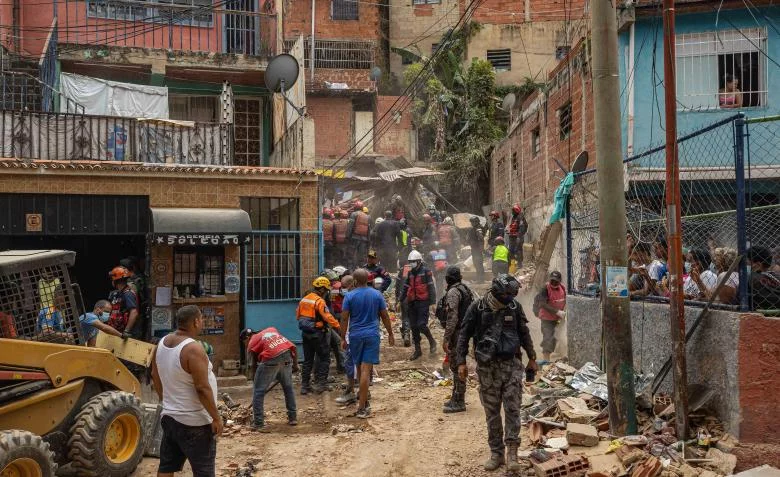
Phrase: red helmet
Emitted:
{"points": [[327, 212], [117, 273], [494, 213], [427, 217], [358, 205], [516, 208]]}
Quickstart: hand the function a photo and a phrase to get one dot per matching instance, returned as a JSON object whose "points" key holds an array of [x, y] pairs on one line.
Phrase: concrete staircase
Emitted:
{"points": [[238, 387]]}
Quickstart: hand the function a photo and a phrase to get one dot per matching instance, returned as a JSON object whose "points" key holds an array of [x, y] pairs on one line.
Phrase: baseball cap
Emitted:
{"points": [[246, 333], [555, 275]]}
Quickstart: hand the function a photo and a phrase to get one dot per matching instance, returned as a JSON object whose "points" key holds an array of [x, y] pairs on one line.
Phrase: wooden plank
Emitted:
{"points": [[134, 351]]}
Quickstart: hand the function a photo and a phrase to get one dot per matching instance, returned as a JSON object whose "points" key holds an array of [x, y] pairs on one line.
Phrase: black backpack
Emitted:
{"points": [[466, 299]]}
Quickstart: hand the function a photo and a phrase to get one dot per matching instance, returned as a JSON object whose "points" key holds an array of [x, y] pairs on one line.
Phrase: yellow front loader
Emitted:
{"points": [[61, 403]]}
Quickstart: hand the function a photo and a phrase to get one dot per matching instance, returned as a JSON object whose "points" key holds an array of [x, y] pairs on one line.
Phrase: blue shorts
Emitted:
{"points": [[364, 350]]}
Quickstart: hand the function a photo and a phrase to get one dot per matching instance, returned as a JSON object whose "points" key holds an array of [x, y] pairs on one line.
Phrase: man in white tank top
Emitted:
{"points": [[190, 420]]}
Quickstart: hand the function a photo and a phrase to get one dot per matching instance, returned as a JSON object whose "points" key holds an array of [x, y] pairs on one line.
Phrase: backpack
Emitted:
{"points": [[466, 299]]}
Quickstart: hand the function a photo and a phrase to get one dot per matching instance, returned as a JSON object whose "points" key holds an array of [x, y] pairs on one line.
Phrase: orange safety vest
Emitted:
{"points": [[418, 289], [340, 230], [307, 310], [445, 234], [361, 224], [327, 231]]}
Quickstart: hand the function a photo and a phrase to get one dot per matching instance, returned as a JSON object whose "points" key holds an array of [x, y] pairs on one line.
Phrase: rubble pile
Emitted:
{"points": [[567, 407]]}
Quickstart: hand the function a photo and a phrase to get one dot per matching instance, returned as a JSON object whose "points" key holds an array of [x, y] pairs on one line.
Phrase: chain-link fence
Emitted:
{"points": [[729, 185]]}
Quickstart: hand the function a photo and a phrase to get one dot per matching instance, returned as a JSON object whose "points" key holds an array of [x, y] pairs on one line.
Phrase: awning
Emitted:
{"points": [[189, 226]]}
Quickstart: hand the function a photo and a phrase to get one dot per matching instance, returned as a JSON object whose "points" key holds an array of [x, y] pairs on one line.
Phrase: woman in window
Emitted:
{"points": [[701, 279], [730, 96]]}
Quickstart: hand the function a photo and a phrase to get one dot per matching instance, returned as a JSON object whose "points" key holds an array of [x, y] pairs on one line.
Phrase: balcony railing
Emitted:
{"points": [[66, 136], [200, 26], [338, 54]]}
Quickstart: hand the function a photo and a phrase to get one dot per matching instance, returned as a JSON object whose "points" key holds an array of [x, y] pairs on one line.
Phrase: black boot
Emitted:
{"points": [[417, 352], [407, 341], [431, 341], [456, 404]]}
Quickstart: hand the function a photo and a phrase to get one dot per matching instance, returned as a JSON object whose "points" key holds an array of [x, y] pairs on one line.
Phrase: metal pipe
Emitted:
{"points": [[674, 226], [631, 88], [311, 58], [742, 245]]}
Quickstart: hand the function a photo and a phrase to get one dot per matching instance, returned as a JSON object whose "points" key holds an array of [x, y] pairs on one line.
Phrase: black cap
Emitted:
{"points": [[453, 274], [246, 333], [555, 275]]}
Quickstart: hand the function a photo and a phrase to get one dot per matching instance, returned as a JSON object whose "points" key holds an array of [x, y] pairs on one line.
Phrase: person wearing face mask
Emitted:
{"points": [[451, 310], [92, 323], [497, 325], [549, 306], [418, 293]]}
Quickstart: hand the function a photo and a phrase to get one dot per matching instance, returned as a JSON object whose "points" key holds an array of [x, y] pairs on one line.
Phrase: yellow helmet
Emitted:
{"points": [[321, 282], [365, 210]]}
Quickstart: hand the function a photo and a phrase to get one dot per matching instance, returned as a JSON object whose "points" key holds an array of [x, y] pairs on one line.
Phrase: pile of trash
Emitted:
{"points": [[568, 407]]}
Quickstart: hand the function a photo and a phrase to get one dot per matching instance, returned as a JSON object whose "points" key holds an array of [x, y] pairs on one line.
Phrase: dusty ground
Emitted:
{"points": [[407, 435]]}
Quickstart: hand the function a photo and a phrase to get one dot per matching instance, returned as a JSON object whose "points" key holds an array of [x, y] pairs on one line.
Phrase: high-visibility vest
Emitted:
{"points": [[501, 254], [404, 238]]}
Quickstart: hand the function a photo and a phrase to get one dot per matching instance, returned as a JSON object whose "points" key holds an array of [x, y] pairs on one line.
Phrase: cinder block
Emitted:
{"points": [[582, 435]]}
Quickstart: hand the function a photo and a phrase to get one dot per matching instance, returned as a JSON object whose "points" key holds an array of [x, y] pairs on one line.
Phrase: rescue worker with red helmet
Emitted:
{"points": [[439, 260], [314, 320], [518, 226], [124, 303], [496, 228], [341, 240], [429, 235], [359, 233], [419, 293], [328, 236]]}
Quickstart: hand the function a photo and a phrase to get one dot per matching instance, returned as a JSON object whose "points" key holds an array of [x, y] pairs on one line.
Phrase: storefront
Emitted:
{"points": [[200, 234]]}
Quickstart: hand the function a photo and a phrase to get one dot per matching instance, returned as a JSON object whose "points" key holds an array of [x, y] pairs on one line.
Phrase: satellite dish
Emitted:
{"points": [[508, 102], [580, 163], [376, 73], [282, 73]]}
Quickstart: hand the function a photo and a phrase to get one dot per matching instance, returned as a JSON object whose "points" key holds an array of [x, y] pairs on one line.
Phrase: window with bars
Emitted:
{"points": [[193, 108], [425, 2], [500, 59], [180, 12], [272, 213], [536, 144], [199, 271], [726, 69], [564, 121], [344, 9]]}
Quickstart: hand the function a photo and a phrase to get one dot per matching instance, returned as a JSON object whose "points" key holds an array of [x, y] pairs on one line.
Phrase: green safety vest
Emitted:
{"points": [[501, 254], [404, 237]]}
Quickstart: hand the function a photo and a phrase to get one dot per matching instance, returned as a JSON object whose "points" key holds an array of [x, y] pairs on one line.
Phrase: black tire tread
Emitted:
{"points": [[11, 442], [85, 452]]}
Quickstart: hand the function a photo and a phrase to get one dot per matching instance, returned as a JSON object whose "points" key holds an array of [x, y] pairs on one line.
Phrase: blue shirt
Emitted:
{"points": [[49, 319], [87, 328], [364, 305]]}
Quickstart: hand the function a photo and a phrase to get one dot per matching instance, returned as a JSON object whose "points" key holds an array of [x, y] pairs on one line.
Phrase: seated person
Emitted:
{"points": [[764, 282], [92, 323], [700, 280], [723, 258], [639, 283]]}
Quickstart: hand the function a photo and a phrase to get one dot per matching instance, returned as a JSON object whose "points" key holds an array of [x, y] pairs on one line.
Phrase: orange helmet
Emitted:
{"points": [[117, 273], [516, 208], [327, 213], [358, 205], [494, 213]]}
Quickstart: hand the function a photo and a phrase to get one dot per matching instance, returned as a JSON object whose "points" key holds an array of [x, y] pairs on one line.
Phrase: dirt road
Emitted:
{"points": [[407, 435]]}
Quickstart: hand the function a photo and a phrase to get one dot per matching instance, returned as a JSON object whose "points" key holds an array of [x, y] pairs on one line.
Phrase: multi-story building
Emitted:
{"points": [[189, 191]]}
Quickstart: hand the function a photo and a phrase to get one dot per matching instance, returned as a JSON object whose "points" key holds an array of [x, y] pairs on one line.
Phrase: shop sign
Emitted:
{"points": [[201, 239], [34, 222]]}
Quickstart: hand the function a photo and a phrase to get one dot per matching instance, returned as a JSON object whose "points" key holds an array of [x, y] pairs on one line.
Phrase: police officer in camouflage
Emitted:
{"points": [[498, 327]]}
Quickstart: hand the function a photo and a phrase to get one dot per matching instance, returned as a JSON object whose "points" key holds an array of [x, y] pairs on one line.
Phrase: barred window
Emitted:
{"points": [[536, 146], [344, 9], [272, 213], [564, 121], [722, 70], [500, 59], [180, 12], [199, 271], [425, 2]]}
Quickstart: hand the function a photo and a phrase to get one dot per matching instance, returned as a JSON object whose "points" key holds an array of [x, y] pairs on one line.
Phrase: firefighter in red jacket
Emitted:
{"points": [[418, 293], [358, 233], [518, 226], [340, 238], [327, 237], [449, 239], [404, 307]]}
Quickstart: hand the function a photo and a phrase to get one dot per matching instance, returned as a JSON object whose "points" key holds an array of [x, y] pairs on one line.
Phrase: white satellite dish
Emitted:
{"points": [[508, 102]]}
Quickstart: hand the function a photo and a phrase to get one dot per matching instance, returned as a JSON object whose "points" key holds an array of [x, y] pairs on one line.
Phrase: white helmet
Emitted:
{"points": [[448, 220], [414, 256], [379, 220], [339, 269], [378, 282]]}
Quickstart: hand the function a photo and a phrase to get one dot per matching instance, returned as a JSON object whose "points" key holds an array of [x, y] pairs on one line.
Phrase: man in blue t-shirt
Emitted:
{"points": [[359, 315], [95, 321]]}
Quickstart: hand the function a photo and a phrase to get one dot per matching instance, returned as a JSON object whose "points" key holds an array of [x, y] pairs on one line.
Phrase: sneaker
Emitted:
{"points": [[346, 398], [364, 413], [260, 428], [417, 353], [292, 422]]}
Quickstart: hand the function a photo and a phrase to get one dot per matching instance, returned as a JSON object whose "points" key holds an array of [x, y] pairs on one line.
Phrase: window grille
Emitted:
{"points": [[180, 12], [199, 271], [536, 146], [425, 2], [344, 9], [500, 59], [707, 61], [564, 121], [272, 213]]}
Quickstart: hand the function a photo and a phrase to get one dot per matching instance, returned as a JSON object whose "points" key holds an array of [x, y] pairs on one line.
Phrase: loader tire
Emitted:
{"points": [[106, 439], [24, 454]]}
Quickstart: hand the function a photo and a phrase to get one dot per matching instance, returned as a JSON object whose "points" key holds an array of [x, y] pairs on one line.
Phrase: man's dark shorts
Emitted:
{"points": [[180, 443]]}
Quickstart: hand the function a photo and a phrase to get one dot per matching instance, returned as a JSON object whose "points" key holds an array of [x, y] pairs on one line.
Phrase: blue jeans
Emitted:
{"points": [[268, 372]]}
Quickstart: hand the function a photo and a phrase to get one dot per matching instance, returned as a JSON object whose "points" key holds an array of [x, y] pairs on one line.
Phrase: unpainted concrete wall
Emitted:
{"points": [[712, 352]]}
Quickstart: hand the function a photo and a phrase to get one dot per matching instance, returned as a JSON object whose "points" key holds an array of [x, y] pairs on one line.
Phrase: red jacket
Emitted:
{"points": [[268, 344]]}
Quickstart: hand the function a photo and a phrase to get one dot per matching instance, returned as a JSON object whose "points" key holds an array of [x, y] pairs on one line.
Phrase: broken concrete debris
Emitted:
{"points": [[582, 435]]}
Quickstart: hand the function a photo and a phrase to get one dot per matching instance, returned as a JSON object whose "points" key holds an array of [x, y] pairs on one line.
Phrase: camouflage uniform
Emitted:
{"points": [[499, 368], [453, 310]]}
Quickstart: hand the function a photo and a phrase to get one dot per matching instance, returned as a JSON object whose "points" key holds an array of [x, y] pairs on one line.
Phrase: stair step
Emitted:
{"points": [[227, 381], [237, 392]]}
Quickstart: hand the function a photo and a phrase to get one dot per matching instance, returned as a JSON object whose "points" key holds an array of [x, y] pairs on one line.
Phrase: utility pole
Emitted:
{"points": [[615, 304], [673, 227]]}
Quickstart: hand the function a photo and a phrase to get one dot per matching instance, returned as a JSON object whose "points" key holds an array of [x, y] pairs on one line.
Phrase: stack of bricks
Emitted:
{"points": [[563, 466]]}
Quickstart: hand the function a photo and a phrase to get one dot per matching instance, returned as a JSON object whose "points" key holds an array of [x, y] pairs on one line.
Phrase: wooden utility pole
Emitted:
{"points": [[615, 304], [673, 228]]}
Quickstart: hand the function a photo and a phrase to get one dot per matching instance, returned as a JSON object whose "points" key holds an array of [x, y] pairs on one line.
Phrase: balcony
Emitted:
{"points": [[339, 65], [79, 137], [232, 27]]}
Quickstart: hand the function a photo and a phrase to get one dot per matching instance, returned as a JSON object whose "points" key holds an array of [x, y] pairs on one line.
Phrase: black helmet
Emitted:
{"points": [[505, 286], [453, 275], [474, 219]]}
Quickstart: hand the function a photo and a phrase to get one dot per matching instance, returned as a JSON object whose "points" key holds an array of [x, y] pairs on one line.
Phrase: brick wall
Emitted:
{"points": [[355, 79], [333, 126], [297, 21], [498, 12], [396, 139], [518, 174]]}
